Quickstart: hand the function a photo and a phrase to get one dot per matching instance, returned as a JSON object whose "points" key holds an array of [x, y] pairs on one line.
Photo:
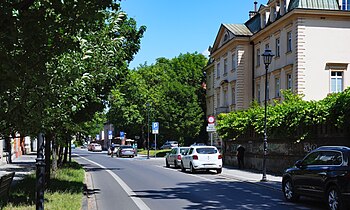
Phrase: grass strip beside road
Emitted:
{"points": [[160, 153], [65, 191]]}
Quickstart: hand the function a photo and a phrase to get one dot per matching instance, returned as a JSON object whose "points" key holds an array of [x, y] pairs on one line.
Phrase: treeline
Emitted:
{"points": [[169, 92], [294, 117]]}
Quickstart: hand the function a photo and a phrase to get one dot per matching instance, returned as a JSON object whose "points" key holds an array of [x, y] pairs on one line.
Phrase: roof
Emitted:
{"points": [[314, 4], [254, 24], [238, 29]]}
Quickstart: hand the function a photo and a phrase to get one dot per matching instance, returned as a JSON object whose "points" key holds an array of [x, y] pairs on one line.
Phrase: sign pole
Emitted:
{"points": [[155, 145]]}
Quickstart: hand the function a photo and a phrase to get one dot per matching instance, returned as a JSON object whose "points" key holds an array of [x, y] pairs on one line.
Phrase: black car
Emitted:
{"points": [[323, 173]]}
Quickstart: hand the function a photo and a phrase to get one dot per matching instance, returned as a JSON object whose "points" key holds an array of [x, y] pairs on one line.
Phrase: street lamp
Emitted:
{"points": [[147, 130], [267, 56]]}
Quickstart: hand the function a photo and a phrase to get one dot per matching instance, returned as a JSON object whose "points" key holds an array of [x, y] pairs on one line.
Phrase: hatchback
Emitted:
{"points": [[323, 173], [202, 158], [174, 156], [169, 145], [126, 150]]}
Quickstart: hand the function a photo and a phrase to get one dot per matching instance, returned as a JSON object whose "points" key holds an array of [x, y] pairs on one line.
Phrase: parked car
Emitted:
{"points": [[126, 150], [323, 173], [113, 147], [95, 147], [169, 145], [202, 158], [175, 155]]}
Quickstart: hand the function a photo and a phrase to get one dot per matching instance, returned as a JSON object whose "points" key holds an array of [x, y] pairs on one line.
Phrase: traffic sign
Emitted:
{"points": [[97, 137], [110, 135], [155, 127], [211, 119], [211, 128], [122, 134]]}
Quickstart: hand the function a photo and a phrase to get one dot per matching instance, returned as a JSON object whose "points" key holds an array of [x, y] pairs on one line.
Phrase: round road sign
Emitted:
{"points": [[211, 119]]}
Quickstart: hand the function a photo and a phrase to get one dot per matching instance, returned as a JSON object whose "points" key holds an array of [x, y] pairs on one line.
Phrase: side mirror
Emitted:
{"points": [[298, 164]]}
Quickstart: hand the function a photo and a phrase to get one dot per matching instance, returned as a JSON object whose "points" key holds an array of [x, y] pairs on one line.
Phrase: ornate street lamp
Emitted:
{"points": [[267, 56], [147, 130]]}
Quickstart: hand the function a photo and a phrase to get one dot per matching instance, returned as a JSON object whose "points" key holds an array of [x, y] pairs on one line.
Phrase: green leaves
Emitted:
{"points": [[293, 118]]}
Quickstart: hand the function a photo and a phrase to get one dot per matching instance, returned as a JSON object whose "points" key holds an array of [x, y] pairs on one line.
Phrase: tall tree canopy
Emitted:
{"points": [[172, 88]]}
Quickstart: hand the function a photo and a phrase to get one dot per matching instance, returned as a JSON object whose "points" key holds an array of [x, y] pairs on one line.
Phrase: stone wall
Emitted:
{"points": [[282, 153]]}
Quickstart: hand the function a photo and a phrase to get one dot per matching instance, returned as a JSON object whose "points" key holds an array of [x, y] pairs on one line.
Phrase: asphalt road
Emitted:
{"points": [[140, 183]]}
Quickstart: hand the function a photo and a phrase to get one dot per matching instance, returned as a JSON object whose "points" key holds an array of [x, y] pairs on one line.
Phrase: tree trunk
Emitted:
{"points": [[54, 157], [60, 155], [65, 157], [48, 140], [9, 148]]}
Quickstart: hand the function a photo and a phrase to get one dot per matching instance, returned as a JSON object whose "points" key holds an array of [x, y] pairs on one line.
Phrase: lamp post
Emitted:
{"points": [[267, 56], [147, 130]]}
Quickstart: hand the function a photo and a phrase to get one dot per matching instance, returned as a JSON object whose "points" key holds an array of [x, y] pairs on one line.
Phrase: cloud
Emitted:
{"points": [[206, 53]]}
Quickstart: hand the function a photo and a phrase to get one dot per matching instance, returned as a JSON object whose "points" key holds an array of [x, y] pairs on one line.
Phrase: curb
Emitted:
{"points": [[89, 200]]}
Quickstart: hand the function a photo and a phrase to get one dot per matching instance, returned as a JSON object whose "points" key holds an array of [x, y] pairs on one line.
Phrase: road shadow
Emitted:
{"points": [[233, 195]]}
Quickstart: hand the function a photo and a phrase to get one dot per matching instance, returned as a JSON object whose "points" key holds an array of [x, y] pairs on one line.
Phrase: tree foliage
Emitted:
{"points": [[172, 88]]}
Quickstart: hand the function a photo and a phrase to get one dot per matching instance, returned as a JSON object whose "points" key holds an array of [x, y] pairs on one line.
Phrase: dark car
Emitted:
{"points": [[323, 173]]}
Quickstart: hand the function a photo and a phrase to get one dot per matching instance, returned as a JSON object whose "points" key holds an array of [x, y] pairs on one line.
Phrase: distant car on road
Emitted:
{"points": [[323, 173], [113, 147], [175, 155], [169, 145], [202, 158], [95, 147], [125, 150]]}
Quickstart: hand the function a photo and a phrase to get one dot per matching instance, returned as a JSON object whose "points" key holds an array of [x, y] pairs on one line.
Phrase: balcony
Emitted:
{"points": [[223, 109]]}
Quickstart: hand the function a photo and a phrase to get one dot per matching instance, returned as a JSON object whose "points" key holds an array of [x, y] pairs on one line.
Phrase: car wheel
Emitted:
{"points": [[334, 199], [183, 169], [192, 170], [166, 163], [288, 191], [219, 170]]}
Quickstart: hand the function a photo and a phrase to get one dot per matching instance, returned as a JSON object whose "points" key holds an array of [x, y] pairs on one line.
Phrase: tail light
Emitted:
{"points": [[179, 157], [195, 157], [220, 157]]}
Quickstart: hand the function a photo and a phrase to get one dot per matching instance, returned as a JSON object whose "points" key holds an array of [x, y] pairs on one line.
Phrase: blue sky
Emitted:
{"points": [[181, 26]]}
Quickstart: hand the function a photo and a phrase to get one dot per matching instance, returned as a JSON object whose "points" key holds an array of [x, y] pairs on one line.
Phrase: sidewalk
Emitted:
{"points": [[22, 166], [273, 182]]}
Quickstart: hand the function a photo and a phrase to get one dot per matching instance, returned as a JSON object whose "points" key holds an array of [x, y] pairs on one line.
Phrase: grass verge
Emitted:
{"points": [[160, 153], [65, 191]]}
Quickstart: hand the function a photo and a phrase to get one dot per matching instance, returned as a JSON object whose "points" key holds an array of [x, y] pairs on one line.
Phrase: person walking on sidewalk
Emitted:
{"points": [[240, 156]]}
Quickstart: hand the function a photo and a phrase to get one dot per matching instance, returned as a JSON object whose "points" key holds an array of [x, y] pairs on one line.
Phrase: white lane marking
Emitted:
{"points": [[125, 187]]}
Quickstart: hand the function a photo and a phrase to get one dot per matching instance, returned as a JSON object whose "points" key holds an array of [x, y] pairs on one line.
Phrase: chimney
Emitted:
{"points": [[253, 13]]}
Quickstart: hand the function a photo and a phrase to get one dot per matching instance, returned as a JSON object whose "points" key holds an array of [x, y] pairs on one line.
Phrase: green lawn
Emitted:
{"points": [[160, 153], [65, 191]]}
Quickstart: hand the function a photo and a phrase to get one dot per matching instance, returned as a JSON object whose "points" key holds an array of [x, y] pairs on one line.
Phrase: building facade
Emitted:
{"points": [[309, 39]]}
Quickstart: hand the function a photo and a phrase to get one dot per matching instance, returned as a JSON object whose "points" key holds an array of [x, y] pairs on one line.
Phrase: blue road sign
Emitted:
{"points": [[122, 134], [110, 135], [155, 127]]}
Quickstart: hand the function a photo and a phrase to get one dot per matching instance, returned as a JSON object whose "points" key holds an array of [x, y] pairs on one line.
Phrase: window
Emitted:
{"points": [[258, 57], [234, 62], [289, 81], [225, 66], [225, 98], [218, 70], [233, 95], [277, 88], [346, 5], [336, 81], [289, 41], [323, 158], [277, 47]]}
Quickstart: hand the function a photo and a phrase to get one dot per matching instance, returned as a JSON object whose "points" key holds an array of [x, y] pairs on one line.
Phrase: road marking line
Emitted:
{"points": [[125, 187]]}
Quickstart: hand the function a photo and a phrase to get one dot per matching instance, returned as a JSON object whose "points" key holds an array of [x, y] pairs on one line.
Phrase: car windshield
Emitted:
{"points": [[206, 150]]}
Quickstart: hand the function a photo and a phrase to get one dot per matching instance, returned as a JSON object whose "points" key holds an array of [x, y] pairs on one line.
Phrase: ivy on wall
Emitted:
{"points": [[293, 117]]}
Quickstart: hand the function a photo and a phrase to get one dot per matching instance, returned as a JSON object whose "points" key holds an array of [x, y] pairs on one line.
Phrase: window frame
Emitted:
{"points": [[336, 77], [278, 47], [289, 41]]}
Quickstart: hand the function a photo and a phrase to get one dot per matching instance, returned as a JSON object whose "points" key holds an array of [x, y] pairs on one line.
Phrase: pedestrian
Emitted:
{"points": [[240, 156]]}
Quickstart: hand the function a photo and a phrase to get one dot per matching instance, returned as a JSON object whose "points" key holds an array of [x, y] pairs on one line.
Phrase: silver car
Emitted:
{"points": [[174, 156], [126, 150]]}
